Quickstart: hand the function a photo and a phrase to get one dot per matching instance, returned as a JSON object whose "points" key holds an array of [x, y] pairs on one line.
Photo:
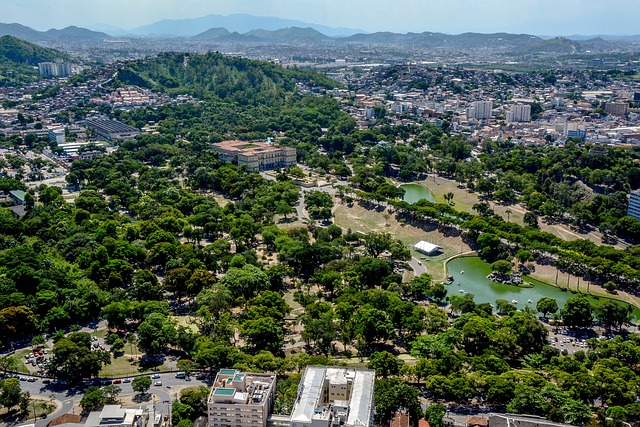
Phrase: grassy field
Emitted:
{"points": [[358, 218], [463, 200]]}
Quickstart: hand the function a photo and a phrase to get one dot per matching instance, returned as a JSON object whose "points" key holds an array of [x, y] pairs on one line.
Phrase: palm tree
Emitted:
{"points": [[449, 197], [508, 212]]}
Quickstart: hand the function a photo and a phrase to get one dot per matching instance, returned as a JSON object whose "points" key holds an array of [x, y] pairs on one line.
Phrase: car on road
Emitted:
{"points": [[157, 383], [126, 380], [118, 381], [154, 376], [31, 379]]}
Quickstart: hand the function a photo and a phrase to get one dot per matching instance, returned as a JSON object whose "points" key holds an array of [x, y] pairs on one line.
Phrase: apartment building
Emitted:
{"points": [[54, 69], [480, 110], [256, 156], [519, 113], [634, 205], [329, 396], [240, 399], [616, 108]]}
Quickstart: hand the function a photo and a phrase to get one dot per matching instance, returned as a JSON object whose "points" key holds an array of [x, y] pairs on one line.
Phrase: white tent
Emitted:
{"points": [[426, 247]]}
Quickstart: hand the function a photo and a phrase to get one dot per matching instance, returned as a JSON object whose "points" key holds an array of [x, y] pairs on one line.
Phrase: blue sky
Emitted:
{"points": [[541, 17]]}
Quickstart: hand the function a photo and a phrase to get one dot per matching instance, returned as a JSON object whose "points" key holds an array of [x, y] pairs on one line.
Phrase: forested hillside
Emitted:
{"points": [[18, 59], [213, 75]]}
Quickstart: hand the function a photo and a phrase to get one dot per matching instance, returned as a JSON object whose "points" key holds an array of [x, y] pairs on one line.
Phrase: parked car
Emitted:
{"points": [[154, 376], [157, 383]]}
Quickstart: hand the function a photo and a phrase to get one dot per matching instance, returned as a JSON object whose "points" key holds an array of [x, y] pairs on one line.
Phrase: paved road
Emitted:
{"points": [[417, 266], [163, 396]]}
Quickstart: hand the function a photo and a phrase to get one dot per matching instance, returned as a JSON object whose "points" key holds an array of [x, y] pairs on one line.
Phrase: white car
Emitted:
{"points": [[157, 383], [155, 376]]}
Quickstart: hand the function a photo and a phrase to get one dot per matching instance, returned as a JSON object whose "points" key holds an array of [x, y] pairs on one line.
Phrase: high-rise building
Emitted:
{"points": [[634, 205], [330, 396], [616, 108], [480, 110], [54, 69], [240, 399], [519, 113]]}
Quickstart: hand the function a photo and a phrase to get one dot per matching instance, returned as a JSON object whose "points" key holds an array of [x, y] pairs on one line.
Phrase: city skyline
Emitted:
{"points": [[539, 17]]}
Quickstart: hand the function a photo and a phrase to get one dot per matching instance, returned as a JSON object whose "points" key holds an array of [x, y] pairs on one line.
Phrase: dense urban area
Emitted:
{"points": [[281, 228]]}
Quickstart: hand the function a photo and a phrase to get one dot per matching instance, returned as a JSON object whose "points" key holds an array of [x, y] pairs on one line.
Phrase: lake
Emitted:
{"points": [[415, 192], [470, 276]]}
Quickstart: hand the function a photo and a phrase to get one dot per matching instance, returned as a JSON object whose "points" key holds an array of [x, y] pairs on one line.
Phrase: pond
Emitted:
{"points": [[415, 192], [470, 276]]}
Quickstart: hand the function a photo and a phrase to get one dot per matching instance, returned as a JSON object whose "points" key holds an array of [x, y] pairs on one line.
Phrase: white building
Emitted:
{"points": [[240, 399], [519, 113], [634, 205], [330, 396], [116, 416], [57, 135], [480, 110], [54, 69]]}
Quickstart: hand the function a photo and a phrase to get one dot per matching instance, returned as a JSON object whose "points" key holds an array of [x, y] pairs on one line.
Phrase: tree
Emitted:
{"points": [[384, 363], [263, 333], [246, 281], [448, 197], [531, 219], [546, 305], [155, 333], [196, 397], [501, 266], [318, 204], [577, 312], [435, 414], [613, 315], [392, 395], [508, 212], [10, 392], [73, 360], [141, 384]]}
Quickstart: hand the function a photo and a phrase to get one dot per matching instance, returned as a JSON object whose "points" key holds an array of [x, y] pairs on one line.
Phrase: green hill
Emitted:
{"points": [[215, 76], [18, 59]]}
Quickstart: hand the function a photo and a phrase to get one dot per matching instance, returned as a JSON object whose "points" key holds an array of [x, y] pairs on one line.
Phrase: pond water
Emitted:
{"points": [[470, 276], [415, 192]]}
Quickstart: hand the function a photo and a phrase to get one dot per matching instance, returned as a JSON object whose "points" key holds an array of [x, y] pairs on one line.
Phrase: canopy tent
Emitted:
{"points": [[426, 247]]}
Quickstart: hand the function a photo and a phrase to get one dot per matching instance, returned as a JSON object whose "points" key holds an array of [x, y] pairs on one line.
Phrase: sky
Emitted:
{"points": [[539, 17]]}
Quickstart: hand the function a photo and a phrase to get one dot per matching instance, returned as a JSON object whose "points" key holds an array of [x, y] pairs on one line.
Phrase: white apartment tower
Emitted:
{"points": [[519, 113], [480, 110]]}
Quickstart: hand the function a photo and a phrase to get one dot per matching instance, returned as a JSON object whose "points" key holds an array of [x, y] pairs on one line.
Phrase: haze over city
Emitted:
{"points": [[540, 17]]}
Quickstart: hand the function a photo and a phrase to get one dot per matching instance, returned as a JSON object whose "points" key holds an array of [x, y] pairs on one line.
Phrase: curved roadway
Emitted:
{"points": [[68, 398]]}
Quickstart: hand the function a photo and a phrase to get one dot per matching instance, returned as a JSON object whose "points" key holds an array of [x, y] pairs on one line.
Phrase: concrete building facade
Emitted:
{"points": [[330, 396], [480, 110], [634, 205], [256, 156], [240, 399], [616, 108], [54, 69], [519, 113]]}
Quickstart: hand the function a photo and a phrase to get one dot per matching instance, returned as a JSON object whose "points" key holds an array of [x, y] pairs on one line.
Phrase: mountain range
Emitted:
{"points": [[71, 33], [251, 29]]}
